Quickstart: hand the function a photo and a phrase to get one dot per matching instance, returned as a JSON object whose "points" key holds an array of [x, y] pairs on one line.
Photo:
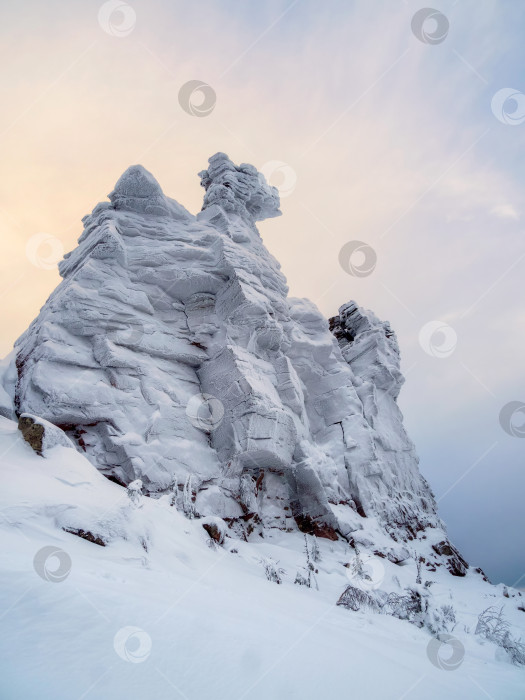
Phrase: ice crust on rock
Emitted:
{"points": [[239, 189], [158, 308]]}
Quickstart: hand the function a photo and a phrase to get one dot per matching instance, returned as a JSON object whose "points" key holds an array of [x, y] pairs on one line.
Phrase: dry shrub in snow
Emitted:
{"points": [[273, 572], [495, 628]]}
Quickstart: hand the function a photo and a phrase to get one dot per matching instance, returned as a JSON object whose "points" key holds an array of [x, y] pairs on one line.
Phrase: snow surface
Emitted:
{"points": [[186, 619]]}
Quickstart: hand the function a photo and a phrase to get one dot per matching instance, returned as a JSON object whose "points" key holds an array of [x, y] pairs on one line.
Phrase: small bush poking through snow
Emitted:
{"points": [[406, 607], [449, 615], [273, 572], [135, 493], [493, 627], [419, 564], [515, 648], [301, 579], [356, 566], [188, 507], [174, 496], [315, 552], [410, 605], [356, 599], [306, 574], [440, 619]]}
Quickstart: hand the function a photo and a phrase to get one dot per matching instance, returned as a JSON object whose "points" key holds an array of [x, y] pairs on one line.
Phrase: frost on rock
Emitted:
{"points": [[238, 189], [171, 353], [390, 485]]}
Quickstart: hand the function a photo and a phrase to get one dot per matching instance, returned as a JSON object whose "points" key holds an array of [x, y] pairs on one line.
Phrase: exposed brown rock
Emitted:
{"points": [[455, 562], [87, 535], [313, 527], [214, 532], [32, 432]]}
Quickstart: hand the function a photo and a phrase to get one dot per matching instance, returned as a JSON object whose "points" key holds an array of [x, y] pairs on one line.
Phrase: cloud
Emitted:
{"points": [[505, 211]]}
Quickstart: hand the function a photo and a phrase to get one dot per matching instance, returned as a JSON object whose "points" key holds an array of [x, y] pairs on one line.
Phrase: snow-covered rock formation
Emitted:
{"points": [[171, 353], [246, 442]]}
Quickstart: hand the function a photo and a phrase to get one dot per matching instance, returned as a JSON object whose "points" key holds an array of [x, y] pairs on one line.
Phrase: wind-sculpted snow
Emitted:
{"points": [[239, 189], [171, 353]]}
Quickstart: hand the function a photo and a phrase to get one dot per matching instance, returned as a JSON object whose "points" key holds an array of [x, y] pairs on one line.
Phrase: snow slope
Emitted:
{"points": [[160, 613]]}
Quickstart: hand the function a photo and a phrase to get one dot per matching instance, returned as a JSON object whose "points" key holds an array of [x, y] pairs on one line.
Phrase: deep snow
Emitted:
{"points": [[202, 622]]}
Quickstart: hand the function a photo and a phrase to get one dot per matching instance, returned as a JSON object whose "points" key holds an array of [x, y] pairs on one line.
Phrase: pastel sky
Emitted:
{"points": [[386, 139]]}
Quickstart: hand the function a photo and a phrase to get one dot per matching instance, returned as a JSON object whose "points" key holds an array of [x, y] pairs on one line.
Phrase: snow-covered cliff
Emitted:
{"points": [[171, 353]]}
